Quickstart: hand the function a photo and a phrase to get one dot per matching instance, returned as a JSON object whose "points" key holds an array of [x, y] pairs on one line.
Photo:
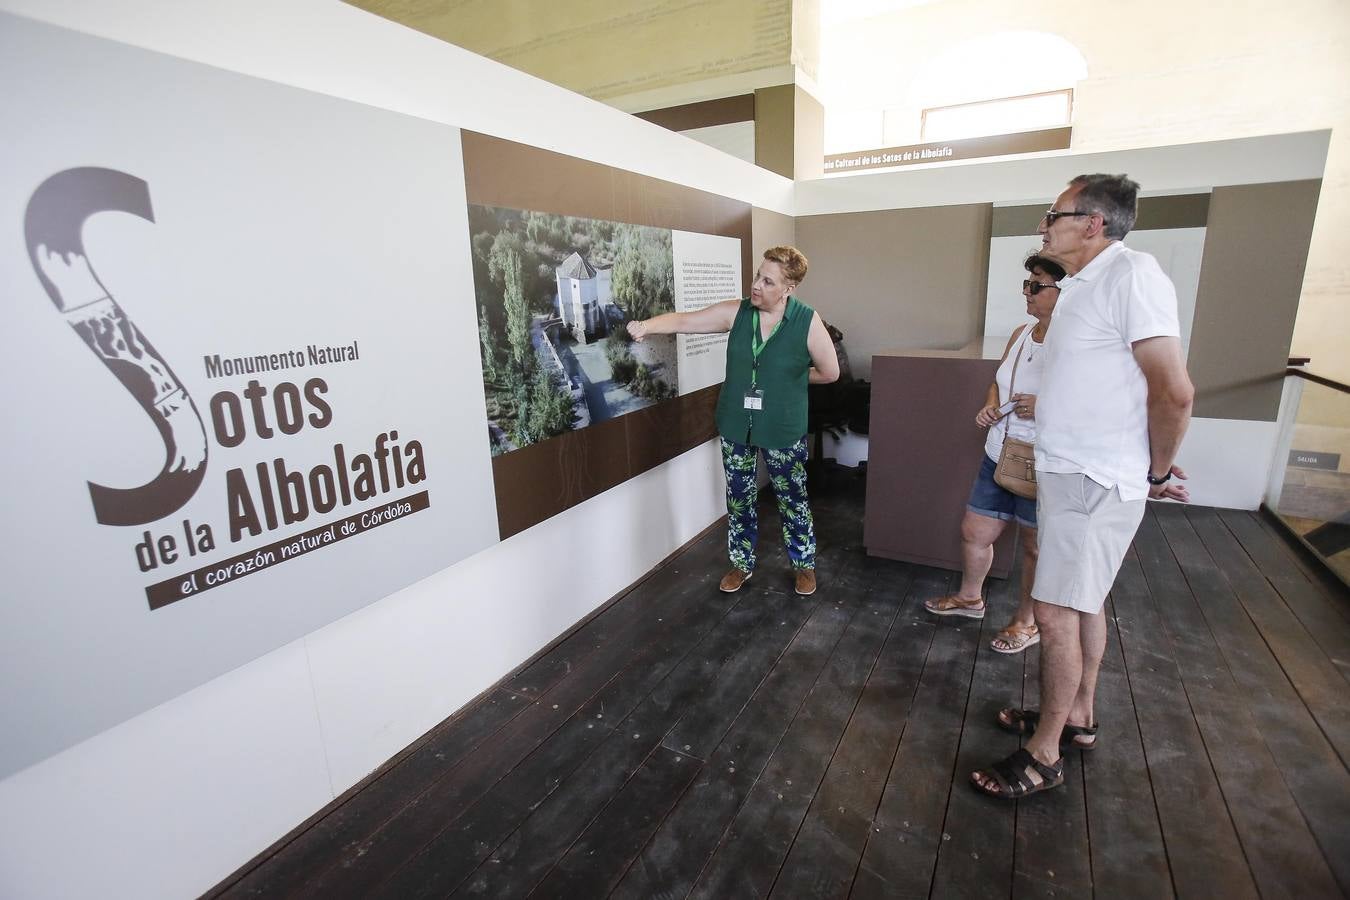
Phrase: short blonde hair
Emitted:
{"points": [[791, 259]]}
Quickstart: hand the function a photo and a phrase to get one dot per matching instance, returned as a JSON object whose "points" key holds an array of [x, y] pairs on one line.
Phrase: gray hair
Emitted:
{"points": [[1114, 197]]}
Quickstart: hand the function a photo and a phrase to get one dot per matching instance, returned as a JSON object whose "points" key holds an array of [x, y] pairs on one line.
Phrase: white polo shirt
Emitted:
{"points": [[1092, 411]]}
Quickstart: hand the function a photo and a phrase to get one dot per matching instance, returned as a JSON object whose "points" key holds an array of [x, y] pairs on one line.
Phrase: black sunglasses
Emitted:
{"points": [[1052, 215], [1035, 287]]}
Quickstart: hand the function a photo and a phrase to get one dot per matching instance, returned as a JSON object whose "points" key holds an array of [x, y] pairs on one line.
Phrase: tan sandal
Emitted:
{"points": [[1016, 638], [952, 605]]}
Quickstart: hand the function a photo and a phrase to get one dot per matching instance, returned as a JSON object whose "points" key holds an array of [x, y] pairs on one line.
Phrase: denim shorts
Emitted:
{"points": [[988, 499]]}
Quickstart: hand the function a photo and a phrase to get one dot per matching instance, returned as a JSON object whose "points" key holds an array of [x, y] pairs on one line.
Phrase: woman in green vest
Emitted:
{"points": [[777, 346]]}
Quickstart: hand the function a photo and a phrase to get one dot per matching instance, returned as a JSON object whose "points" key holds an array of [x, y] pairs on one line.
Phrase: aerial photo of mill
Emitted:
{"points": [[553, 295]]}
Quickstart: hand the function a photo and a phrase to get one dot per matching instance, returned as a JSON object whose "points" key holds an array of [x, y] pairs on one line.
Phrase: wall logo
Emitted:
{"points": [[53, 229], [301, 475]]}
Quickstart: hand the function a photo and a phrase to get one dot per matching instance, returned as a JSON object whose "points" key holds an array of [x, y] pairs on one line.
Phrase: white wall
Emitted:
{"points": [[736, 138], [170, 801], [335, 49], [1228, 461], [1178, 251], [1160, 170]]}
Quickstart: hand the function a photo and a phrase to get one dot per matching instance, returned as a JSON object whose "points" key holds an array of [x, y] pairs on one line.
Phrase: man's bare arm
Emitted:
{"points": [[1170, 397]]}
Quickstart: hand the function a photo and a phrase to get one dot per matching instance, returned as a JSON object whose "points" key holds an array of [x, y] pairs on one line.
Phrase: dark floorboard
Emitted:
{"points": [[688, 743]]}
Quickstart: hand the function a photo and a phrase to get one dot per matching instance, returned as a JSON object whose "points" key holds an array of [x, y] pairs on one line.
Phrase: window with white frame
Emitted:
{"points": [[1005, 115]]}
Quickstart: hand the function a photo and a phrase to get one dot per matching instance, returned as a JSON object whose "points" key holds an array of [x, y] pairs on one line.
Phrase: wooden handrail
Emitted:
{"points": [[1319, 379]]}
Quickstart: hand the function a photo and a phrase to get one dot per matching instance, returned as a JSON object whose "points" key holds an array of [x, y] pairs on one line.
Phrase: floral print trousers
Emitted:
{"points": [[787, 475]]}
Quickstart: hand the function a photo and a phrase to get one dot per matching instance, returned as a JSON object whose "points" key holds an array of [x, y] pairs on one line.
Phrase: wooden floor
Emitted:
{"points": [[686, 742]]}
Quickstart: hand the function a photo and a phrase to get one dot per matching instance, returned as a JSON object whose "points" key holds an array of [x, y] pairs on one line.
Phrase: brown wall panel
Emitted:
{"points": [[664, 431], [503, 173], [542, 480], [924, 453], [722, 111], [1251, 278], [537, 482], [775, 113], [900, 278]]}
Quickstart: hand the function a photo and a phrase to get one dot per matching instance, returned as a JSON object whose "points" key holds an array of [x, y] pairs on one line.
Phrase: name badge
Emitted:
{"points": [[754, 398]]}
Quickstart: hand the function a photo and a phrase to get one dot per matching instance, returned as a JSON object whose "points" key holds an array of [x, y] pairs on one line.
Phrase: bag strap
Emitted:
{"points": [[1012, 379], [1017, 360]]}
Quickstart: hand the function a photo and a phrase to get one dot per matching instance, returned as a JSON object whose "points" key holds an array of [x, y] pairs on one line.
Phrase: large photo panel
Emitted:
{"points": [[242, 355], [565, 252]]}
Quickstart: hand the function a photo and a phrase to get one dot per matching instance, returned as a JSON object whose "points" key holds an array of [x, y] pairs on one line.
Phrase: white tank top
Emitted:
{"points": [[1029, 371]]}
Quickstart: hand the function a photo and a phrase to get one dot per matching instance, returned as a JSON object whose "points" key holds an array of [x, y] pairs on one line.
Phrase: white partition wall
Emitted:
{"points": [[180, 739], [1178, 251]]}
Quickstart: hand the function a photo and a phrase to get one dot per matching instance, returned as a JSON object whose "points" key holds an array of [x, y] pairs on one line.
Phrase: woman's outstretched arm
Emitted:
{"points": [[710, 320]]}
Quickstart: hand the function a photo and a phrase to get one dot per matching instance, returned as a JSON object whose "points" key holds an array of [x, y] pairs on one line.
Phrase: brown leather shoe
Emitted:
{"points": [[732, 581], [805, 582]]}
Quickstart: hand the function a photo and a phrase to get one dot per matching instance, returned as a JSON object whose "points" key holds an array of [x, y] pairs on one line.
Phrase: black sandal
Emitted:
{"points": [[1012, 776], [1024, 721]]}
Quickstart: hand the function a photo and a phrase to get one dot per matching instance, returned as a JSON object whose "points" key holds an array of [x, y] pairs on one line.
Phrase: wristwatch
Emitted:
{"points": [[1153, 479]]}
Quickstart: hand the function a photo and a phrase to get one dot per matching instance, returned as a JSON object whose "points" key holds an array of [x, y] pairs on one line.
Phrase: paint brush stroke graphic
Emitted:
{"points": [[53, 230]]}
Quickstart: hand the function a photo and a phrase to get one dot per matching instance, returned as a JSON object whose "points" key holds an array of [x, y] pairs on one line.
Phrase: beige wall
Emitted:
{"points": [[769, 229], [1255, 246], [898, 279], [1160, 73], [775, 111], [789, 131], [604, 49], [808, 129]]}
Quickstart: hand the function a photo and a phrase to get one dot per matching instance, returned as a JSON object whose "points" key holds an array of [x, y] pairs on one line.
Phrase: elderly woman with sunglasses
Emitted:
{"points": [[991, 507]]}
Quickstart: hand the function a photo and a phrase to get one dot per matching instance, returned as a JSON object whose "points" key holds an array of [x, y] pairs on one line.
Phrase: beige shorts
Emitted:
{"points": [[1084, 531]]}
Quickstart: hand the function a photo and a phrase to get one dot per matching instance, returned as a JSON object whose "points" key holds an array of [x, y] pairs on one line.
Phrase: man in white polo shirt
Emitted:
{"points": [[1114, 404]]}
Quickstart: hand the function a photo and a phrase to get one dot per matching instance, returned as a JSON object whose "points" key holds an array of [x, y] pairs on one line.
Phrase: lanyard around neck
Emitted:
{"points": [[757, 343]]}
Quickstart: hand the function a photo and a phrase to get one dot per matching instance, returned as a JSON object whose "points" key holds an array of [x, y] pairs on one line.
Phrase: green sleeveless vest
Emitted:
{"points": [[783, 367]]}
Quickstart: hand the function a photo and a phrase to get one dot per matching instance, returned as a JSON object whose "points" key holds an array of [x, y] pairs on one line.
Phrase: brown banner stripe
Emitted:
{"points": [[189, 584], [947, 151]]}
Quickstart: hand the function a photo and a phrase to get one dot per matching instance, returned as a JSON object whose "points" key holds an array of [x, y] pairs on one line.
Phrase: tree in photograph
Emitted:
{"points": [[601, 235], [617, 344], [642, 380], [626, 278], [536, 227], [533, 272], [624, 369], [544, 292], [520, 432], [622, 365], [644, 273], [489, 350], [517, 312], [658, 271], [506, 252], [482, 246], [552, 409]]}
